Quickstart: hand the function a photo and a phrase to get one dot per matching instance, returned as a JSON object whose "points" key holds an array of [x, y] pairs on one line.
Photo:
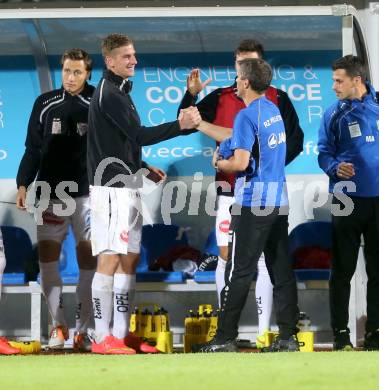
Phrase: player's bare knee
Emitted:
{"points": [[49, 250], [128, 263], [84, 256], [223, 252], [107, 263]]}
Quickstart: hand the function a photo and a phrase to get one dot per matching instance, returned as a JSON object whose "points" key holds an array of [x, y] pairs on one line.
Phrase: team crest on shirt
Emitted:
{"points": [[81, 128], [124, 236], [56, 127], [354, 129]]}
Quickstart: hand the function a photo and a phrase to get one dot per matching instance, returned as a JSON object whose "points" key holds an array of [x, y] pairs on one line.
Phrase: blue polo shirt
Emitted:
{"points": [[259, 128]]}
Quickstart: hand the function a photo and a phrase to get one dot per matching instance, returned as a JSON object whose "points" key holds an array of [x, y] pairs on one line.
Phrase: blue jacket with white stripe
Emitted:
{"points": [[349, 132]]}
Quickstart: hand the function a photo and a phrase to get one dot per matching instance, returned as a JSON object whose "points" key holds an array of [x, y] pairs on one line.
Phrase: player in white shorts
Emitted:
{"points": [[56, 151], [115, 138]]}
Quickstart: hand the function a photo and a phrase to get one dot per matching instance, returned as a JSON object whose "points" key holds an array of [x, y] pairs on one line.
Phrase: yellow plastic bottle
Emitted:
{"points": [[27, 347]]}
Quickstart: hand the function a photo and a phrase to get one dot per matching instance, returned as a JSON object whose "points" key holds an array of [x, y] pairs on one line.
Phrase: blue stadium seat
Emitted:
{"points": [[157, 240], [68, 264], [211, 244], [18, 252], [306, 234], [316, 233], [205, 277]]}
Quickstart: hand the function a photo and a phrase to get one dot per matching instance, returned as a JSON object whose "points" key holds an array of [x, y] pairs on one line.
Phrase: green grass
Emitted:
{"points": [[321, 370]]}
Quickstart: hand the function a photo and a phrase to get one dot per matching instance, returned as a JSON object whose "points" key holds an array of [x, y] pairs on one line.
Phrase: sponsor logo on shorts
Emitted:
{"points": [[56, 127], [224, 226], [124, 236]]}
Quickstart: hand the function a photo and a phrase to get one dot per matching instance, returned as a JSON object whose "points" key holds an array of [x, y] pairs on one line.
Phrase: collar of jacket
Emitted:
{"points": [[371, 91], [87, 91], [370, 95], [122, 84]]}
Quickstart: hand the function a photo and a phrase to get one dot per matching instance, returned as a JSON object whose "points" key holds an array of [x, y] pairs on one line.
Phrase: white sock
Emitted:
{"points": [[51, 285], [84, 310], [263, 296], [220, 277], [2, 261], [102, 295], [124, 291]]}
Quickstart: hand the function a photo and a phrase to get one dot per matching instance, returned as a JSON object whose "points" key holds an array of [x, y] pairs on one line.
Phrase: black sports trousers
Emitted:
{"points": [[251, 234], [347, 231]]}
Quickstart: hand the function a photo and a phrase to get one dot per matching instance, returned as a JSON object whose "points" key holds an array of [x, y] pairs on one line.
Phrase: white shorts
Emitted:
{"points": [[116, 220], [223, 219], [55, 226]]}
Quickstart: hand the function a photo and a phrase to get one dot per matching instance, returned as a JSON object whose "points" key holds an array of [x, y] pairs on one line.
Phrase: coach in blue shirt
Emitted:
{"points": [[256, 154], [349, 155]]}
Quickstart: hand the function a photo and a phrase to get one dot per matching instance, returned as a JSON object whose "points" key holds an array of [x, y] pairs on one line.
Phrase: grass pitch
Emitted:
{"points": [[321, 370]]}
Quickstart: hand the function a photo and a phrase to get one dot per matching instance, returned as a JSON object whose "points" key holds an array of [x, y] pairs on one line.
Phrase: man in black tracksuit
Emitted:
{"points": [[56, 148], [115, 138]]}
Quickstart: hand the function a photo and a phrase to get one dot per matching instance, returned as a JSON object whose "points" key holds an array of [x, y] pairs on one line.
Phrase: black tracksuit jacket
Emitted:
{"points": [[56, 141], [115, 130]]}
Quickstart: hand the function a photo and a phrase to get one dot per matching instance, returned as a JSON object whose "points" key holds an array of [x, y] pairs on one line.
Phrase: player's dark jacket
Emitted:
{"points": [[115, 131], [56, 141], [221, 106]]}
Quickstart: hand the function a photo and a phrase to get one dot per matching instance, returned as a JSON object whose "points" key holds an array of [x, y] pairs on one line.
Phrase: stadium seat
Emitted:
{"points": [[157, 240], [211, 244], [18, 252], [308, 234], [304, 235], [68, 264]]}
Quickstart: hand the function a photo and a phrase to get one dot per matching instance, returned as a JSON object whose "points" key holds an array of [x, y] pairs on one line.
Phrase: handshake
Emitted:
{"points": [[189, 118]]}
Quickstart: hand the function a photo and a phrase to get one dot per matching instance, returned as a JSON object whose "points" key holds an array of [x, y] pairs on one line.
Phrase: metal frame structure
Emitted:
{"points": [[353, 42]]}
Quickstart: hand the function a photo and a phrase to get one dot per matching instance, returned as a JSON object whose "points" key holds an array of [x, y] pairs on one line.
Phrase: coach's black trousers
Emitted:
{"points": [[250, 235], [347, 231]]}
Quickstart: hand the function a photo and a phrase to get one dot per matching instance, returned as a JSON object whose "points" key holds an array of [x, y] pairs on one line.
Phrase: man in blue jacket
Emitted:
{"points": [[349, 155]]}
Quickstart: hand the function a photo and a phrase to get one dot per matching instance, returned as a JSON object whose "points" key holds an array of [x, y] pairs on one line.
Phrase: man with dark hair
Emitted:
{"points": [[220, 108], [249, 46], [349, 154], [56, 148], [260, 213], [115, 139]]}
